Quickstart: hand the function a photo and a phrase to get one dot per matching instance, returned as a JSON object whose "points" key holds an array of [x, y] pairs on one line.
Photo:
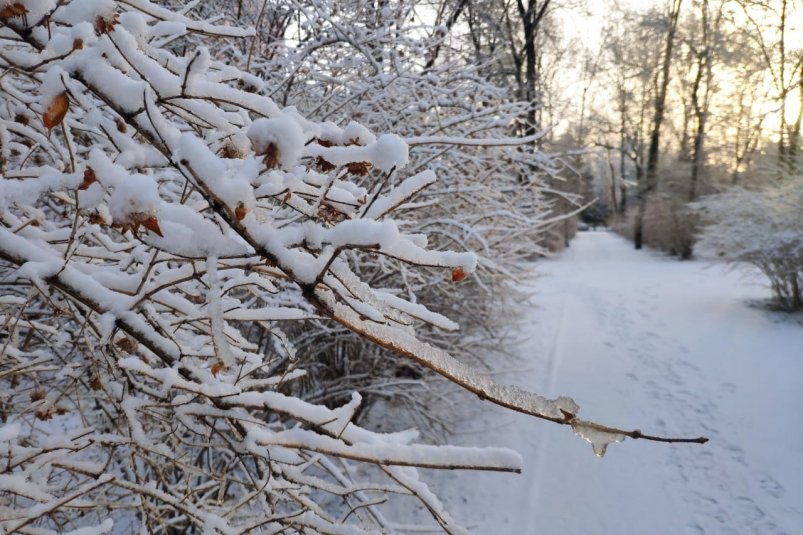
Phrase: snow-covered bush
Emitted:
{"points": [[763, 228], [669, 225], [163, 222], [373, 63]]}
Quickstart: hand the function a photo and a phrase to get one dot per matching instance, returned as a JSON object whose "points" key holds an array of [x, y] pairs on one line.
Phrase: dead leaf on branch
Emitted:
{"points": [[138, 219], [97, 218], [127, 344], [458, 274], [95, 383], [56, 110], [240, 212], [331, 215], [231, 151], [152, 224], [17, 9], [106, 24], [89, 179], [359, 168], [323, 165], [271, 156], [45, 415]]}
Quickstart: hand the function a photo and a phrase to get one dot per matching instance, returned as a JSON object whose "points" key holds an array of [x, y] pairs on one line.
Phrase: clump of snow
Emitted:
{"points": [[199, 63], [52, 85], [135, 24], [281, 132], [165, 28], [331, 133], [390, 151], [85, 32], [9, 432], [105, 527], [356, 134], [137, 194], [79, 11]]}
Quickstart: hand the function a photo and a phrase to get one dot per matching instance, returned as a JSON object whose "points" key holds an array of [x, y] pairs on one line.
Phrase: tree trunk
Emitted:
{"points": [[531, 17], [651, 176], [704, 76]]}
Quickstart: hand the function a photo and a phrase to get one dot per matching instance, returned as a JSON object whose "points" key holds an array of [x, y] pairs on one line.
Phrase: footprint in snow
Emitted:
{"points": [[737, 454], [771, 486], [728, 387], [695, 529], [685, 363], [749, 510]]}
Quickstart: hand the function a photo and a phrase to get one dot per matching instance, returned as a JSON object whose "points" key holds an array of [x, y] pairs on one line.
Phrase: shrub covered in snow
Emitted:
{"points": [[163, 222], [374, 63], [763, 228]]}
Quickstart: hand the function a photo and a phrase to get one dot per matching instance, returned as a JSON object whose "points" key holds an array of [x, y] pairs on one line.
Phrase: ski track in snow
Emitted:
{"points": [[673, 348]]}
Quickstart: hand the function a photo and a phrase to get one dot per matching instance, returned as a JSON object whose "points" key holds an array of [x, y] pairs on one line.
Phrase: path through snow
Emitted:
{"points": [[644, 341]]}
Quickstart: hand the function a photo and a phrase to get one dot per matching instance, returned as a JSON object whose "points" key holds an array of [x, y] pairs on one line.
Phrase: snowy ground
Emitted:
{"points": [[644, 341]]}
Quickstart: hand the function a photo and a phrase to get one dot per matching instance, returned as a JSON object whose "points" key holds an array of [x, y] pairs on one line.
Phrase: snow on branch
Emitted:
{"points": [[474, 142]]}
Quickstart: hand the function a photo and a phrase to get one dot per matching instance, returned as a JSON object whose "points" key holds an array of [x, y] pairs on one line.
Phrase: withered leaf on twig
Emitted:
{"points": [[89, 178], [152, 224], [127, 344], [17, 9], [56, 110], [359, 168], [136, 220], [106, 24], [240, 212]]}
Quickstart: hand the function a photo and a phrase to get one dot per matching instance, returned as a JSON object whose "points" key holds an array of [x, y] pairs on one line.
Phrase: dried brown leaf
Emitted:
{"points": [[152, 224], [240, 212], [106, 25], [56, 110], [127, 344], [323, 165], [458, 274], [94, 383], [271, 156], [89, 179], [17, 9], [359, 168]]}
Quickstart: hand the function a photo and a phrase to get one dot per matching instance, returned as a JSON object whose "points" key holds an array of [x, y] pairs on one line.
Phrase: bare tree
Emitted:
{"points": [[661, 84]]}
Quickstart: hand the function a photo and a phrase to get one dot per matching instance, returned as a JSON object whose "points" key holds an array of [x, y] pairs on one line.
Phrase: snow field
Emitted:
{"points": [[676, 348]]}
